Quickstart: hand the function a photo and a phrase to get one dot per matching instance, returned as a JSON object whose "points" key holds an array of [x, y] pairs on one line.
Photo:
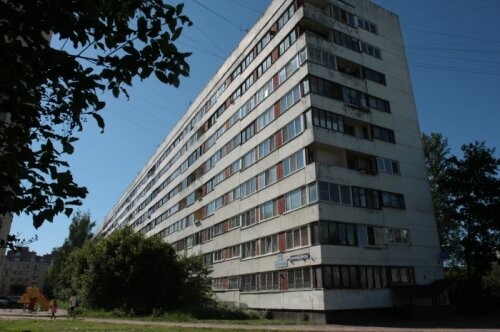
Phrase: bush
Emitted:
{"points": [[219, 310]]}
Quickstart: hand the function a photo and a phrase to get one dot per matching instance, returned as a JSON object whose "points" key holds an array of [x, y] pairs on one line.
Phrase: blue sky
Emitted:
{"points": [[453, 48]]}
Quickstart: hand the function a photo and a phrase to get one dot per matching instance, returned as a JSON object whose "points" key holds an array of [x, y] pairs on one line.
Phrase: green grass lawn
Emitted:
{"points": [[79, 325]]}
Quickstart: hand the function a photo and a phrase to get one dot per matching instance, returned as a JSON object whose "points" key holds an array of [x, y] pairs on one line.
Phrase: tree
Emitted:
{"points": [[196, 281], [474, 195], [128, 271], [58, 279], [46, 94], [437, 153]]}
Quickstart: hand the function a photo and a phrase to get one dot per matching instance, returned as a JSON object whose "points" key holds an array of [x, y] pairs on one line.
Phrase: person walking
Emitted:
{"points": [[72, 305], [53, 309]]}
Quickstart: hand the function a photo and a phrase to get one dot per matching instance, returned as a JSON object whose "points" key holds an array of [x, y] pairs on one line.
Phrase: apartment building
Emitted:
{"points": [[23, 268], [298, 173]]}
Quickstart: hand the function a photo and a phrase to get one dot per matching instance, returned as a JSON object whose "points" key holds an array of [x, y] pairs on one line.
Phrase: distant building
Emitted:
{"points": [[5, 225], [298, 172], [23, 268]]}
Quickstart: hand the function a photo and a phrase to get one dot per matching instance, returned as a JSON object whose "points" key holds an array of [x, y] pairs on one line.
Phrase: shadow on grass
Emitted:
{"points": [[414, 317]]}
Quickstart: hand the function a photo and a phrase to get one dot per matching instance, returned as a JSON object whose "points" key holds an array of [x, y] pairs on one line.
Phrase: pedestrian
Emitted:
{"points": [[53, 309], [72, 305], [31, 305]]}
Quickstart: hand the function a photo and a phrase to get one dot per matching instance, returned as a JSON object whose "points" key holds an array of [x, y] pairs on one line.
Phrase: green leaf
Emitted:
{"points": [[99, 120], [67, 147], [68, 212], [131, 50], [100, 105], [176, 33], [162, 77]]}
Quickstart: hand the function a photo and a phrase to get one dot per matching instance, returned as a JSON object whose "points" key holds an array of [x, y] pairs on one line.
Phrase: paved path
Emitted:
{"points": [[494, 325]]}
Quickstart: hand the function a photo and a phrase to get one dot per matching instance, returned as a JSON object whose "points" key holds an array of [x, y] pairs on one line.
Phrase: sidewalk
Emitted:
{"points": [[37, 314]]}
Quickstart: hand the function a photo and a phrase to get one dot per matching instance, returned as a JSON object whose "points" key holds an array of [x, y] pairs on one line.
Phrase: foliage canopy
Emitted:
{"points": [[466, 198], [128, 272], [47, 94]]}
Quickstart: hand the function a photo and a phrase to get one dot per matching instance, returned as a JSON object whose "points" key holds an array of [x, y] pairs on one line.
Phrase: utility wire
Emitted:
{"points": [[468, 10], [202, 50], [246, 7], [148, 130], [211, 40], [158, 106], [482, 51], [453, 58], [218, 15], [454, 69], [198, 42], [453, 35]]}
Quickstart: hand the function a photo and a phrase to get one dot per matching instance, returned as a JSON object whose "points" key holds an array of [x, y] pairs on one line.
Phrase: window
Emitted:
{"points": [[264, 66], [348, 67], [265, 118], [290, 99], [235, 167], [268, 210], [343, 15], [397, 235], [234, 251], [366, 25], [370, 50], [266, 147], [248, 249], [336, 193], [292, 129], [293, 163], [393, 200], [354, 97], [218, 229], [263, 42], [299, 278], [264, 92], [287, 42], [248, 159], [269, 281], [190, 198], [325, 88], [234, 194], [248, 218], [234, 222], [336, 233], [248, 282], [247, 133], [295, 199], [248, 188], [383, 134], [217, 256], [346, 41], [321, 57], [374, 76], [210, 208], [401, 275], [367, 198], [286, 16], [217, 284], [234, 283], [288, 69], [370, 236], [327, 120], [378, 104], [269, 245], [298, 237], [342, 276], [387, 166], [267, 177]]}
